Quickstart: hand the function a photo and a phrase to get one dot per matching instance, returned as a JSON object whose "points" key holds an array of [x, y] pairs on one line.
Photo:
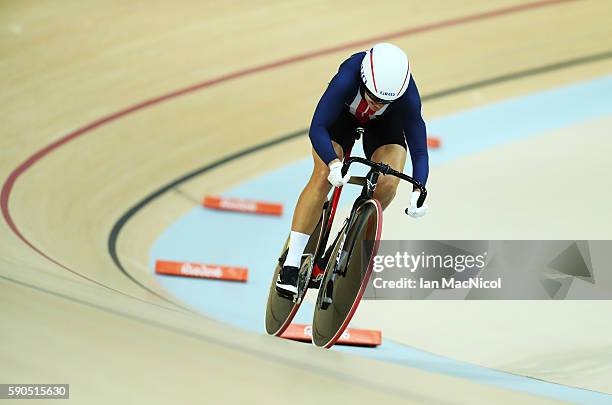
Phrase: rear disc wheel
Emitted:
{"points": [[347, 275]]}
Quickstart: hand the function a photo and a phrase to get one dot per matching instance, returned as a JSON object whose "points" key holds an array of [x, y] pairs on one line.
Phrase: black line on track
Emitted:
{"points": [[179, 191], [521, 74], [118, 226], [114, 234]]}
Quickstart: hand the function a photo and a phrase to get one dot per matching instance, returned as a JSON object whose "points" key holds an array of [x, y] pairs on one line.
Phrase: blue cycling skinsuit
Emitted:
{"points": [[343, 108]]}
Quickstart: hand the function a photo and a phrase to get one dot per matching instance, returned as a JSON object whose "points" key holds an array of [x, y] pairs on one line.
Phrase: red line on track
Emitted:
{"points": [[28, 163]]}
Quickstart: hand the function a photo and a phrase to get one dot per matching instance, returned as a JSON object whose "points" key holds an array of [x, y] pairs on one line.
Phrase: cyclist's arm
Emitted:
{"points": [[329, 108], [415, 133]]}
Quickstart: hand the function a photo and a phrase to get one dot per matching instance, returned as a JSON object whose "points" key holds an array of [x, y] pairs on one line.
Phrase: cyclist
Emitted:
{"points": [[374, 90]]}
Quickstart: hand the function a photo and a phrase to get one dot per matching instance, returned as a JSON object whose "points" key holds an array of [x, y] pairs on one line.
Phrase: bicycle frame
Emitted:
{"points": [[327, 224], [369, 186]]}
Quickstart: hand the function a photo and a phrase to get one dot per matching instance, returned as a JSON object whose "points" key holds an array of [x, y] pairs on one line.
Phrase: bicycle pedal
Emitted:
{"points": [[286, 295]]}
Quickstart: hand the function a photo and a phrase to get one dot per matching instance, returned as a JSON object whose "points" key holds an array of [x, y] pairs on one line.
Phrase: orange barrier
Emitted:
{"points": [[198, 270], [240, 205], [351, 337], [433, 142]]}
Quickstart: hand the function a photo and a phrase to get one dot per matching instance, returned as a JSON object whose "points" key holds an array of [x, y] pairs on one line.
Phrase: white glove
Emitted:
{"points": [[335, 175], [413, 211]]}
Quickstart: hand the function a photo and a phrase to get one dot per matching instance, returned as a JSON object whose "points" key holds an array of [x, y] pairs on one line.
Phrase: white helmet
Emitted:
{"points": [[385, 72]]}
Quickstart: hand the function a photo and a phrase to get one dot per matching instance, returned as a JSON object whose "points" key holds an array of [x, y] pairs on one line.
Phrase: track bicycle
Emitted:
{"points": [[340, 271]]}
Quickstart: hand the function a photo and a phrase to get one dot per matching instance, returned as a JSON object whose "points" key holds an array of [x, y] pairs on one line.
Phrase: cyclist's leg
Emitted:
{"points": [[395, 156], [305, 217], [308, 208], [384, 141]]}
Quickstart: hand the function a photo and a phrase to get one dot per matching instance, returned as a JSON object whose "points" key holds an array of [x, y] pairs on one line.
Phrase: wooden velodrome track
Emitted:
{"points": [[106, 103]]}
